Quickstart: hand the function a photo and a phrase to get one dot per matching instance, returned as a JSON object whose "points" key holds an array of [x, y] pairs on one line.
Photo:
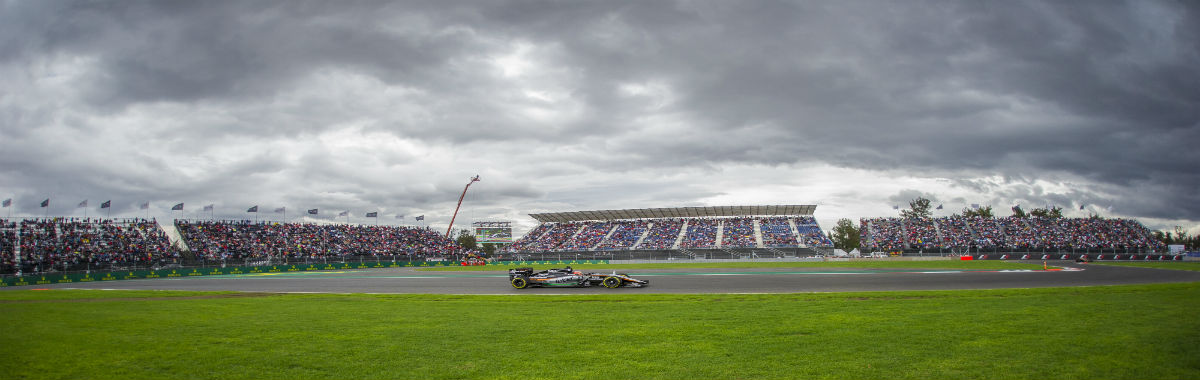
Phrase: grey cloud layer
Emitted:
{"points": [[1103, 93]]}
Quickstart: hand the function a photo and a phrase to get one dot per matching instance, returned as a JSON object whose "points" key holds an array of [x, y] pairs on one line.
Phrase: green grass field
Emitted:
{"points": [[1119, 332], [864, 264], [1177, 265]]}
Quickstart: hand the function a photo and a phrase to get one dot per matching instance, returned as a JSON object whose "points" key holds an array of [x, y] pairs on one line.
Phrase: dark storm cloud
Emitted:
{"points": [[241, 98]]}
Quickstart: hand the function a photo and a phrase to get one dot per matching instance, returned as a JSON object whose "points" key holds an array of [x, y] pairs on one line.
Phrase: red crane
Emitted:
{"points": [[460, 198]]}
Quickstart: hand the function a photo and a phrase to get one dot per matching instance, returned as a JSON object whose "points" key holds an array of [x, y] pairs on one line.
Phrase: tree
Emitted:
{"points": [[982, 212], [489, 248], [845, 235], [466, 239], [918, 208], [1052, 213], [1181, 235]]}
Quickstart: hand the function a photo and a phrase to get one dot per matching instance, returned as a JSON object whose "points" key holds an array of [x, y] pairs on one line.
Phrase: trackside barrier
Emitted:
{"points": [[54, 278], [1073, 256], [546, 262]]}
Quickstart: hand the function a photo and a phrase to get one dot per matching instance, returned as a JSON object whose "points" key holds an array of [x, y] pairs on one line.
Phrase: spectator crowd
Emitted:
{"points": [[672, 233], [67, 244], [243, 240], [1013, 234]]}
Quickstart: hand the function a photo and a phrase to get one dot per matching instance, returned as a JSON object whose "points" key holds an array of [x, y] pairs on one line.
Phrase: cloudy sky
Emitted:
{"points": [[855, 106]]}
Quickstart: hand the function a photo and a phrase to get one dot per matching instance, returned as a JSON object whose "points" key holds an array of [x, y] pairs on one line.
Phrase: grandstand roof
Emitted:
{"points": [[676, 212]]}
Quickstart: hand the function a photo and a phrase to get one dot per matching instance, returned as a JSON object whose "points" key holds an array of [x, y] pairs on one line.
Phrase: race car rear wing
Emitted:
{"points": [[520, 272]]}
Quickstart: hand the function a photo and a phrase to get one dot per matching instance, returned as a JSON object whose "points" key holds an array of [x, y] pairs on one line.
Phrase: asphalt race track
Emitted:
{"points": [[762, 280]]}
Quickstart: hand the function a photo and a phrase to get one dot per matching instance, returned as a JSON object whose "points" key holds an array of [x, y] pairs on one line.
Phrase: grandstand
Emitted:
{"points": [[272, 242], [771, 231], [82, 244], [46, 245], [1006, 235]]}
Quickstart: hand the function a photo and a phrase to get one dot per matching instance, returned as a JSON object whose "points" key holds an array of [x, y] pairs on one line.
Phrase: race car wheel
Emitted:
{"points": [[520, 282], [611, 282]]}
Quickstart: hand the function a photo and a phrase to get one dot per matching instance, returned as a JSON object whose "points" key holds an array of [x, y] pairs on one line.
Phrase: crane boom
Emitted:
{"points": [[460, 199]]}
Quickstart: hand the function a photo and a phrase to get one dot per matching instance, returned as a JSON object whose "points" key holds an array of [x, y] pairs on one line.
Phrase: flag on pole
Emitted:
{"points": [[344, 213], [895, 207], [106, 204], [312, 211], [82, 204], [178, 207], [145, 205], [975, 205], [281, 210], [421, 217], [1081, 206], [208, 208], [399, 216], [373, 214], [7, 202], [252, 209], [939, 207]]}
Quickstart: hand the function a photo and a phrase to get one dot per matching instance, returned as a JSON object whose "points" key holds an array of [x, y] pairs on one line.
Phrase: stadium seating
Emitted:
{"points": [[1009, 234], [701, 233], [624, 235], [242, 240], [590, 236], [738, 233], [662, 233], [66, 244], [810, 232], [777, 232]]}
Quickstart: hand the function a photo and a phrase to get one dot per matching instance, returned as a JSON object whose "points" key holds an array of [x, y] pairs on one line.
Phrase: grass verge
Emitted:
{"points": [[1177, 265], [1140, 331], [945, 264]]}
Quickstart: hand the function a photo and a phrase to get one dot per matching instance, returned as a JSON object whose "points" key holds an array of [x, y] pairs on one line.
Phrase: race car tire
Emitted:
{"points": [[520, 282], [611, 282]]}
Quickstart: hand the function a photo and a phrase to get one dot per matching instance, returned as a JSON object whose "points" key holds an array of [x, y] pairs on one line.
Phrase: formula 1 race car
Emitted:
{"points": [[522, 278]]}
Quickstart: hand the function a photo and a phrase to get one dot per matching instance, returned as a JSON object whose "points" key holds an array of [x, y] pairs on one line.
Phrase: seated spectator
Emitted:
{"points": [[777, 232], [78, 244], [701, 233], [738, 233], [662, 234]]}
